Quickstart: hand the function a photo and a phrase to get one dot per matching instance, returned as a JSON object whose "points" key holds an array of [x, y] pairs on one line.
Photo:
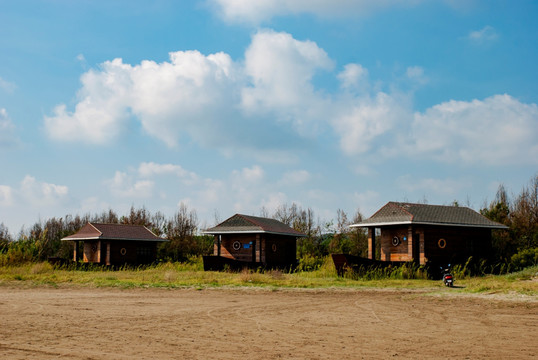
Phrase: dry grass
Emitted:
{"points": [[173, 275]]}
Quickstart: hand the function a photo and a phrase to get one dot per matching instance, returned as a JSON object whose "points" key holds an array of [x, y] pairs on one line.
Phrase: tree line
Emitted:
{"points": [[42, 240]]}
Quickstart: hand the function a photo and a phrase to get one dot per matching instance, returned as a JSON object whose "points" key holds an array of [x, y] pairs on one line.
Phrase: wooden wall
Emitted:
{"points": [[268, 249], [119, 252], [459, 243], [390, 252], [280, 250], [247, 243]]}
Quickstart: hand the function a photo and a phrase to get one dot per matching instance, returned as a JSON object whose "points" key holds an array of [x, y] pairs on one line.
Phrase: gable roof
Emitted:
{"points": [[396, 213], [246, 224], [96, 231]]}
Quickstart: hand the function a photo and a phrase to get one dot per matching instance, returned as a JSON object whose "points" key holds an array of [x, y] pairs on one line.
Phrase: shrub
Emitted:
{"points": [[308, 262], [525, 258]]}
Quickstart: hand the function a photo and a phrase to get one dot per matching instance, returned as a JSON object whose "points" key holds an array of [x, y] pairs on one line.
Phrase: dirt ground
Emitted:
{"points": [[88, 323]]}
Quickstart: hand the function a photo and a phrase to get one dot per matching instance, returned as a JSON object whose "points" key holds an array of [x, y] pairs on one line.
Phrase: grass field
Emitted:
{"points": [[191, 275]]}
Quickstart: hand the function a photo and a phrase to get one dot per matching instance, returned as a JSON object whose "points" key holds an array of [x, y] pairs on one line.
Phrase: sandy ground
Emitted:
{"points": [[86, 323]]}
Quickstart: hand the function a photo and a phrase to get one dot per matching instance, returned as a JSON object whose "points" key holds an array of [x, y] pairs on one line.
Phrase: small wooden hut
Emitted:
{"points": [[250, 241], [429, 233], [114, 244]]}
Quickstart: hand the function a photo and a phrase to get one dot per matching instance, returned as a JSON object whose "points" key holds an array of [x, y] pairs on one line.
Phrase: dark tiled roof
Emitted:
{"points": [[407, 213], [92, 231], [252, 224]]}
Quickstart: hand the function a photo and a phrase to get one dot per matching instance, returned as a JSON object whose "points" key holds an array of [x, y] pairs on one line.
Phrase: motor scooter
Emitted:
{"points": [[448, 278]]}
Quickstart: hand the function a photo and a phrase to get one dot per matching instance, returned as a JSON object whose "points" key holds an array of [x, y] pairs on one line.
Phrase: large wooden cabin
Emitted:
{"points": [[114, 244], [250, 241], [428, 233]]}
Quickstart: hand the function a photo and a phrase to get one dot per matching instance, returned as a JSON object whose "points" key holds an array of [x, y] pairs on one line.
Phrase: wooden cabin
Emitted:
{"points": [[428, 233], [114, 244], [250, 241]]}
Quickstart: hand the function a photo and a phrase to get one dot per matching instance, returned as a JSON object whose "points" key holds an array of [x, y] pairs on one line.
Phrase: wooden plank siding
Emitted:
{"points": [[268, 249], [390, 252], [119, 252], [424, 243]]}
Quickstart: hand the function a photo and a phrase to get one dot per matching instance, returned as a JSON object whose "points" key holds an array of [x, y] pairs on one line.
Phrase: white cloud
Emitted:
{"points": [[499, 130], [253, 174], [7, 86], [41, 193], [361, 120], [416, 74], [354, 77], [123, 185], [166, 98], [281, 69], [431, 186], [261, 10], [7, 130], [204, 97], [367, 202], [268, 103], [100, 114], [295, 177], [6, 195], [486, 34], [149, 169]]}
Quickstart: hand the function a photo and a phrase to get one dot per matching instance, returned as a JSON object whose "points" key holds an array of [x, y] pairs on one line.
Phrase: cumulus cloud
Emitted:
{"points": [[262, 10], [360, 121], [498, 130], [41, 193], [122, 185], [167, 98], [100, 114], [268, 103], [353, 77], [206, 98], [280, 69]]}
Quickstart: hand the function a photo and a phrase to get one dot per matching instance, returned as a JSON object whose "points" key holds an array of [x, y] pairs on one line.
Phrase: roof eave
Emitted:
{"points": [[360, 225], [250, 232], [114, 239]]}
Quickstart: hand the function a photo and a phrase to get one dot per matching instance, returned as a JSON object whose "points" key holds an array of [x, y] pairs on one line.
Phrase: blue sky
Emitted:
{"points": [[233, 105]]}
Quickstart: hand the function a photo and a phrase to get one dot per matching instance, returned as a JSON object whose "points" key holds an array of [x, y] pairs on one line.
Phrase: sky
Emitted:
{"points": [[234, 106]]}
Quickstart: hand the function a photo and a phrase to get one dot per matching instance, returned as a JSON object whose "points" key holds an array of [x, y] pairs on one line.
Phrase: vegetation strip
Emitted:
{"points": [[191, 275]]}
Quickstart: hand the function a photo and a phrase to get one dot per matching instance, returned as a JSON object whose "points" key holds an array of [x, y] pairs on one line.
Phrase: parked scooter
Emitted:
{"points": [[448, 278]]}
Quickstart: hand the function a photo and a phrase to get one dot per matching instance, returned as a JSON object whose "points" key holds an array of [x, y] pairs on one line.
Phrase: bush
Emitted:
{"points": [[309, 263], [525, 258]]}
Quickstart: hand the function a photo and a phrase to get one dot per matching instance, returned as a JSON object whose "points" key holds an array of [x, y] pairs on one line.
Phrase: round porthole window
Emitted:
{"points": [[441, 243], [123, 251], [395, 241], [273, 247], [236, 245]]}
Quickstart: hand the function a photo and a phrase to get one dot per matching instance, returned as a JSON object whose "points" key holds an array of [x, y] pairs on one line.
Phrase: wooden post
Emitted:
{"points": [[410, 242], [75, 251], [108, 253], [371, 243], [422, 250], [258, 248]]}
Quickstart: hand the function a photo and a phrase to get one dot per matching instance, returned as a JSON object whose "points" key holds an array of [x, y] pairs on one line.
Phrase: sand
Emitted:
{"points": [[106, 323]]}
